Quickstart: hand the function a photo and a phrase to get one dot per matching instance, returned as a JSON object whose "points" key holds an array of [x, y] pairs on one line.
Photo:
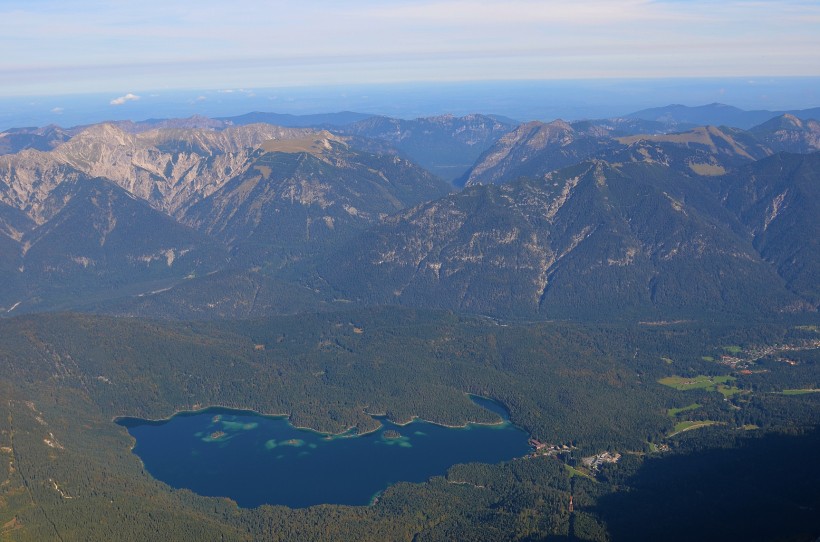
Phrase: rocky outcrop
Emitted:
{"points": [[789, 133], [534, 149], [169, 168]]}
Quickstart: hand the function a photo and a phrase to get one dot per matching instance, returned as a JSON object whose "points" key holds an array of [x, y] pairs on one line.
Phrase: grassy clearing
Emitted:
{"points": [[800, 392], [672, 412], [733, 349], [702, 382], [316, 144], [700, 136], [710, 170], [680, 427], [728, 391], [575, 472]]}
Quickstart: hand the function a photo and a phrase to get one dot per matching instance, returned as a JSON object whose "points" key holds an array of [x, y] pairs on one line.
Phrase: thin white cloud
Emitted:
{"points": [[57, 110], [127, 98], [528, 12], [92, 45]]}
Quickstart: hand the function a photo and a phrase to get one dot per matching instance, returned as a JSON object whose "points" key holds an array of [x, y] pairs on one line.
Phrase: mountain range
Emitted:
{"points": [[684, 117], [536, 148], [637, 239], [228, 217]]}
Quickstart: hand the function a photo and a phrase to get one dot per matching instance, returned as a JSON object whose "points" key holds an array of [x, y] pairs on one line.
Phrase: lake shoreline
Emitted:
{"points": [[347, 433], [255, 459]]}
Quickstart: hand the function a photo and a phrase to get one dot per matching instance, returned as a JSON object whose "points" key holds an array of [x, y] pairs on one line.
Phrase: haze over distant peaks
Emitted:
{"points": [[716, 114]]}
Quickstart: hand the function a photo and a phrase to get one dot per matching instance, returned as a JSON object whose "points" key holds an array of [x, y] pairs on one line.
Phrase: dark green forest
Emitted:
{"points": [[68, 471]]}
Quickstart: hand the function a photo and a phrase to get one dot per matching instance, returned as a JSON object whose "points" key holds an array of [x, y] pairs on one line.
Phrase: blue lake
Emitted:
{"points": [[255, 459]]}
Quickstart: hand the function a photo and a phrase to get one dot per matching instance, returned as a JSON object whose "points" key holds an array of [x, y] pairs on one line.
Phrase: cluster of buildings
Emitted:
{"points": [[594, 461], [542, 448]]}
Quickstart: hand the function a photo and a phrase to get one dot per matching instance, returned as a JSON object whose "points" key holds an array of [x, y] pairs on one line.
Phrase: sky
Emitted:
{"points": [[54, 47]]}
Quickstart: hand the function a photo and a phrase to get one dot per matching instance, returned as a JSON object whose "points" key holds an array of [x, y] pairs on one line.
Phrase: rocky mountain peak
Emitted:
{"points": [[532, 149], [106, 133], [171, 168], [794, 121], [789, 133]]}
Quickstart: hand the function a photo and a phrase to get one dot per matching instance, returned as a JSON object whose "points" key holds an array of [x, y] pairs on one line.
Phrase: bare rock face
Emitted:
{"points": [[789, 133], [29, 177], [534, 149], [169, 168]]}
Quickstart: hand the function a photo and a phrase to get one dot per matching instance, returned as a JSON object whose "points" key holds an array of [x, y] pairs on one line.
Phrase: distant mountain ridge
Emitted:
{"points": [[320, 120], [535, 148], [445, 145], [41, 139], [682, 117], [789, 133]]}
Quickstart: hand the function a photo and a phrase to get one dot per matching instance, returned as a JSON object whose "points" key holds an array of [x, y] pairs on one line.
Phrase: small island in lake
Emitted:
{"points": [[391, 434], [216, 435]]}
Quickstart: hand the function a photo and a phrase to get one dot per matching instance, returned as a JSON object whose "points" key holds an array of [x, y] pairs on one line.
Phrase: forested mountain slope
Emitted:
{"points": [[778, 200], [592, 240]]}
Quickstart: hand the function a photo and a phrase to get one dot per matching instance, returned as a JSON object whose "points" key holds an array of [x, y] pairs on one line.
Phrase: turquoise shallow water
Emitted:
{"points": [[257, 460]]}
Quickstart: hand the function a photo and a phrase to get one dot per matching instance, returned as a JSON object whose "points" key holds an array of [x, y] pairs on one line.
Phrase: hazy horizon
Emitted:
{"points": [[520, 100], [89, 46], [88, 61]]}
